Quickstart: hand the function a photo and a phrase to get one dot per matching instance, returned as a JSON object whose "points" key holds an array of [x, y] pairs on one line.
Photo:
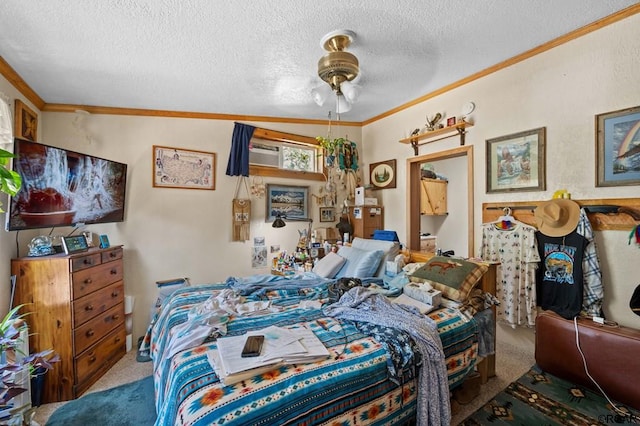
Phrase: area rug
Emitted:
{"points": [[128, 404], [539, 398]]}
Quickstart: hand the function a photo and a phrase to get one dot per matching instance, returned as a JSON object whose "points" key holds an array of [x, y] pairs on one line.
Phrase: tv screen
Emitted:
{"points": [[64, 188]]}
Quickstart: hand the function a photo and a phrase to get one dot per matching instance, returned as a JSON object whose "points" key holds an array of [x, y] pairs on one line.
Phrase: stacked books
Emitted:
{"points": [[295, 345]]}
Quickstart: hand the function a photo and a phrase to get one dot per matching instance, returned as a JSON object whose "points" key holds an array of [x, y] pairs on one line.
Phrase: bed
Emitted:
{"points": [[371, 376]]}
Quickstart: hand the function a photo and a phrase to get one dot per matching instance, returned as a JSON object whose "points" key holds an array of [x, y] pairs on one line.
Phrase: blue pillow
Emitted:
{"points": [[360, 263]]}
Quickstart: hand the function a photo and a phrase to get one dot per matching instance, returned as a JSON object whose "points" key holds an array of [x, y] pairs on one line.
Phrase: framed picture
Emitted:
{"points": [[618, 147], [517, 162], [451, 121], [183, 168], [289, 201], [327, 214], [104, 241], [26, 122], [74, 244], [382, 175]]}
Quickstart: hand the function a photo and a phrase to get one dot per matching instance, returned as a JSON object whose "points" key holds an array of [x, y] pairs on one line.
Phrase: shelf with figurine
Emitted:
{"points": [[453, 127]]}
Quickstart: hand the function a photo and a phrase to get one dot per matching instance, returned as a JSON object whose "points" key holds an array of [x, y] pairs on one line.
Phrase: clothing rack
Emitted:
{"points": [[604, 214]]}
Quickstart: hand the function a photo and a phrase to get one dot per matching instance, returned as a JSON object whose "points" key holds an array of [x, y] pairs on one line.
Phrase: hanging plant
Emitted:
{"points": [[330, 148], [10, 181]]}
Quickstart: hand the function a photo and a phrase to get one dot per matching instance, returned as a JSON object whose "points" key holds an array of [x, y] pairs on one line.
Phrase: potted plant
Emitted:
{"points": [[13, 362], [10, 181], [330, 148]]}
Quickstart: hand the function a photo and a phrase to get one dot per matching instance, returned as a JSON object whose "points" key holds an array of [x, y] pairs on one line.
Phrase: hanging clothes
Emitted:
{"points": [[593, 291], [514, 247], [560, 279]]}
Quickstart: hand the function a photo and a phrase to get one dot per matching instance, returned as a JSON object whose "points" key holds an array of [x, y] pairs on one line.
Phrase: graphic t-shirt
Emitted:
{"points": [[560, 279]]}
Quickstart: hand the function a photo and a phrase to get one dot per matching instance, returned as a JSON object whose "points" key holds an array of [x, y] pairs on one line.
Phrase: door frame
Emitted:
{"points": [[413, 194]]}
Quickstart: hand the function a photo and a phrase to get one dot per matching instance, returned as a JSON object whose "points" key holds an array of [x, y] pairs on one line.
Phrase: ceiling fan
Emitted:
{"points": [[338, 68]]}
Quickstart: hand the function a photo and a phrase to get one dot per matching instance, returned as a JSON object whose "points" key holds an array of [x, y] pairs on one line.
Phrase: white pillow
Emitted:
{"points": [[390, 250], [329, 265]]}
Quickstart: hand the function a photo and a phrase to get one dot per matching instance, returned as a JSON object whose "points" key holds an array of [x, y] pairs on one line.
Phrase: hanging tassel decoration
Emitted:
{"points": [[241, 207]]}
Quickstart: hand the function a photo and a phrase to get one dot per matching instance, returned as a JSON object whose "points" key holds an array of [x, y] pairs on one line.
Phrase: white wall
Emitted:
{"points": [[562, 90]]}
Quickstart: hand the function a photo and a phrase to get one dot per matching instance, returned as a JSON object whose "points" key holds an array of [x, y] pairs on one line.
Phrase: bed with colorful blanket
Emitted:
{"points": [[395, 370]]}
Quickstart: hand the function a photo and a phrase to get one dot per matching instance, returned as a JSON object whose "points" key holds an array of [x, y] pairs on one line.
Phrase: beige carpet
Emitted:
{"points": [[511, 363]]}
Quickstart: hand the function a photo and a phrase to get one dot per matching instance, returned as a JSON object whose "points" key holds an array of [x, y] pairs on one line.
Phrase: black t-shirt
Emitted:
{"points": [[559, 278]]}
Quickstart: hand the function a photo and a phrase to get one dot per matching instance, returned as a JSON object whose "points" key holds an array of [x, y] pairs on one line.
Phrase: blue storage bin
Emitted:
{"points": [[385, 235]]}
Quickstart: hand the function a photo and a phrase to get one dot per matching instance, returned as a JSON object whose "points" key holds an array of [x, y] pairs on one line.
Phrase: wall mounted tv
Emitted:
{"points": [[64, 188]]}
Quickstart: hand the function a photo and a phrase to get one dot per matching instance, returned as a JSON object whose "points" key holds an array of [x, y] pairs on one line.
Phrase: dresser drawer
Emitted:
{"points": [[93, 279], [95, 329], [100, 357], [84, 262], [111, 255], [97, 302]]}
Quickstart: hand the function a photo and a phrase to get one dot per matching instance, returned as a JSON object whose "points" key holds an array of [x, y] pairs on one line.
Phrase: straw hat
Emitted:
{"points": [[557, 217]]}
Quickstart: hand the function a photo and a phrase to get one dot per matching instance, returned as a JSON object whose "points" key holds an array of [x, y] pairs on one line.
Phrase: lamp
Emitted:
{"points": [[338, 68], [280, 223]]}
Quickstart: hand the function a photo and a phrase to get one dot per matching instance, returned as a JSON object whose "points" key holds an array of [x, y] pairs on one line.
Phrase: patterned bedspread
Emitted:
{"points": [[351, 387]]}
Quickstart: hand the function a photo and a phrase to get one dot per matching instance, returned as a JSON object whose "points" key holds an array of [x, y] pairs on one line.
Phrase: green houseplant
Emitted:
{"points": [[10, 181], [12, 361], [330, 148]]}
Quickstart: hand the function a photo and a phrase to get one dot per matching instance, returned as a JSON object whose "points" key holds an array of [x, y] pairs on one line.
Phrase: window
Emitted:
{"points": [[285, 155]]}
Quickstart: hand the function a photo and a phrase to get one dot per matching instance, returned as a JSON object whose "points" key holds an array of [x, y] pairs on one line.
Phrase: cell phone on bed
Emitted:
{"points": [[253, 346]]}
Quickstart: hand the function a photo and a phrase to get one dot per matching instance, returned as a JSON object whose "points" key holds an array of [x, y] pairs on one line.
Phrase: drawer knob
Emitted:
{"points": [[115, 294], [88, 262], [88, 308], [114, 271], [90, 333], [92, 358], [115, 317], [88, 281], [112, 254]]}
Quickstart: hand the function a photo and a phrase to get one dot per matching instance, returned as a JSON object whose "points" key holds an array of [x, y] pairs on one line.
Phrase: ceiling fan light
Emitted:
{"points": [[350, 91], [342, 105], [319, 95]]}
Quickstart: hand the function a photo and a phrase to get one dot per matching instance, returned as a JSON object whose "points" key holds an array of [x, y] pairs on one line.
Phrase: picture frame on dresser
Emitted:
{"points": [[617, 152], [75, 244]]}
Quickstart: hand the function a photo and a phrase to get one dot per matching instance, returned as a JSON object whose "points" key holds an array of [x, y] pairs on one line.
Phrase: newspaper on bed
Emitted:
{"points": [[281, 346]]}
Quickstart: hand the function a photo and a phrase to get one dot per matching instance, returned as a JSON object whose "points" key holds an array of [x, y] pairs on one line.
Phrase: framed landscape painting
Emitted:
{"points": [[618, 147], [517, 162], [290, 202]]}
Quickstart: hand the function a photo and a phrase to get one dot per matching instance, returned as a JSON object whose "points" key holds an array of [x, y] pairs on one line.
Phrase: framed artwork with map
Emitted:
{"points": [[183, 168]]}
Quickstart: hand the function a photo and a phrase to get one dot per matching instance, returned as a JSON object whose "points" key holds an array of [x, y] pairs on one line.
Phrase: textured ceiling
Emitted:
{"points": [[259, 57]]}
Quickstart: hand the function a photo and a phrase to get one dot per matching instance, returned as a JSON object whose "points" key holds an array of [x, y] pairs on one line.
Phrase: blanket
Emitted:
{"points": [[359, 304]]}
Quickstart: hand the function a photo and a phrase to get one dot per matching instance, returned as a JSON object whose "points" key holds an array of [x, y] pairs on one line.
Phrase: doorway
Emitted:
{"points": [[413, 194]]}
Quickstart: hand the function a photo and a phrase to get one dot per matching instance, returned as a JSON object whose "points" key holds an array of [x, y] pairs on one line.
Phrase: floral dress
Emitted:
{"points": [[516, 251]]}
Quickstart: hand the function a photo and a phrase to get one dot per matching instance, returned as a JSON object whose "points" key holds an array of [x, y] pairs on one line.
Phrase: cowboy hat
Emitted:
{"points": [[557, 217]]}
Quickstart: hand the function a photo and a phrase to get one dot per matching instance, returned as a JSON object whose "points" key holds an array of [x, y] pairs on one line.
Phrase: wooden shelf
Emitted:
{"points": [[438, 134]]}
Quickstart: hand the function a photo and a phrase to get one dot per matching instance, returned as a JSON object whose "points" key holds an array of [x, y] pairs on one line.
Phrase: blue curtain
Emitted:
{"points": [[238, 164]]}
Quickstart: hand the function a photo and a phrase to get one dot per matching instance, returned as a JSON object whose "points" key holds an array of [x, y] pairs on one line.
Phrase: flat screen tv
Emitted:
{"points": [[64, 188]]}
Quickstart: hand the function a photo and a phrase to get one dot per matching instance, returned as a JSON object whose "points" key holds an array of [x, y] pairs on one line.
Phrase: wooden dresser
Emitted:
{"points": [[77, 309]]}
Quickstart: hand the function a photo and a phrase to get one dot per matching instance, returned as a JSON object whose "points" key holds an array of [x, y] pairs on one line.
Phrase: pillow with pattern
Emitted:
{"points": [[454, 277]]}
